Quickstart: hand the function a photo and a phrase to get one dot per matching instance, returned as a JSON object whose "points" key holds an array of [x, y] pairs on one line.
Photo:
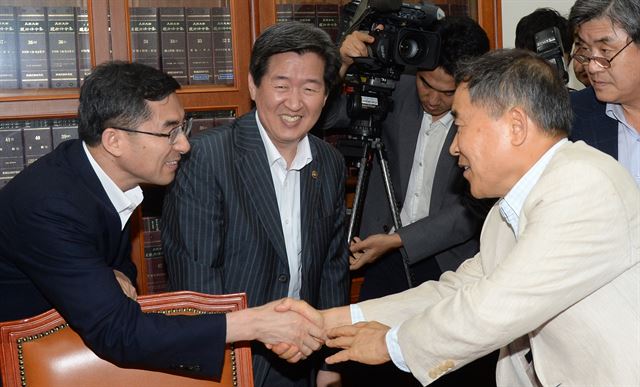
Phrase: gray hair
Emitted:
{"points": [[502, 79], [622, 13]]}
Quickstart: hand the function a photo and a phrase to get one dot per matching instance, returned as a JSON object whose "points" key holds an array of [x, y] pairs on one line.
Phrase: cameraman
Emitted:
{"points": [[441, 221]]}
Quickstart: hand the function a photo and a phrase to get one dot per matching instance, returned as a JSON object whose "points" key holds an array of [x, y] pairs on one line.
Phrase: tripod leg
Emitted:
{"points": [[361, 190], [393, 206]]}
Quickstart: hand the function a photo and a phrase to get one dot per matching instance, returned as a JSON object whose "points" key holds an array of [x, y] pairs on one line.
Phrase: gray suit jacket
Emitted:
{"points": [[449, 233], [222, 231]]}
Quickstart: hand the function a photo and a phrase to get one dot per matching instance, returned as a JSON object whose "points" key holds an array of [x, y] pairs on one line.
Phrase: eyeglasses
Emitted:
{"points": [[184, 128], [600, 61]]}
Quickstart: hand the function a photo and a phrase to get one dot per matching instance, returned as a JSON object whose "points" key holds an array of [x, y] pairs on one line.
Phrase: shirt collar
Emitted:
{"points": [[512, 203], [303, 152], [444, 121], [615, 111], [123, 202]]}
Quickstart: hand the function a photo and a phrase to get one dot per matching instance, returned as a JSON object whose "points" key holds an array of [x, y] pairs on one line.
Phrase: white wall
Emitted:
{"points": [[514, 10]]}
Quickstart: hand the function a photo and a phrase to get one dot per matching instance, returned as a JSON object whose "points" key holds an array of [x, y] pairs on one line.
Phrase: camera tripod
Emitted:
{"points": [[374, 146]]}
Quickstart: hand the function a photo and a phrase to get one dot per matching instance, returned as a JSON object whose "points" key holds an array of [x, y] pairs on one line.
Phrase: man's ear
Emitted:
{"points": [[113, 141], [519, 125], [252, 87]]}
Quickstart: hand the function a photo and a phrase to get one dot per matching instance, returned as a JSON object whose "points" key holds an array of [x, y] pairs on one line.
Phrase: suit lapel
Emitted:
{"points": [[252, 166], [310, 188], [411, 116], [446, 162]]}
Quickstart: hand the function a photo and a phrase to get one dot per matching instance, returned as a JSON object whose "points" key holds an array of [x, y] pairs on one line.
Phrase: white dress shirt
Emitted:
{"points": [[286, 182], [124, 202], [423, 169]]}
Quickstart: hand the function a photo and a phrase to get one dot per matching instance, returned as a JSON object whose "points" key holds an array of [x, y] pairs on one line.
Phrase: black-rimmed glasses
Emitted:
{"points": [[600, 61], [184, 128]]}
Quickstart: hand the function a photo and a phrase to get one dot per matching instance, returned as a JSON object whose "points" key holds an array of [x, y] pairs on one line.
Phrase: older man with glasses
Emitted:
{"points": [[607, 115]]}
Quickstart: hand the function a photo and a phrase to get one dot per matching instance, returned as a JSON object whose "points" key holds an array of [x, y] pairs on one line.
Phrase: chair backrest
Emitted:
{"points": [[45, 351]]}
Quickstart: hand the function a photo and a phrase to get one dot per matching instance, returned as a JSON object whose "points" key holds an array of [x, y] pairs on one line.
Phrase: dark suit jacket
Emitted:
{"points": [[449, 233], [222, 231], [60, 240], [591, 124]]}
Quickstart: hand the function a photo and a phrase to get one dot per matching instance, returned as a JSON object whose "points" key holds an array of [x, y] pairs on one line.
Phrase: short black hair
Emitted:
{"points": [[540, 20], [116, 94], [299, 38], [460, 38]]}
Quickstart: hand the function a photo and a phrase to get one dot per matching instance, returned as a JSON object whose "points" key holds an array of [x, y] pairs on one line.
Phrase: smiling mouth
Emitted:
{"points": [[291, 118]]}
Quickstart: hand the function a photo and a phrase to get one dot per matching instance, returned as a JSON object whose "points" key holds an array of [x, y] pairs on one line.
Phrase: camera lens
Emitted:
{"points": [[408, 49]]}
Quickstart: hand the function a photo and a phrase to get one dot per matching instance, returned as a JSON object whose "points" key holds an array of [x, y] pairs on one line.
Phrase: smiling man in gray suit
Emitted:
{"points": [[258, 205]]}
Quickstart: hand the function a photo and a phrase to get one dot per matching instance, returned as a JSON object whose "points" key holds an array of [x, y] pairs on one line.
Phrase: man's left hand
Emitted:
{"points": [[373, 247], [363, 342]]}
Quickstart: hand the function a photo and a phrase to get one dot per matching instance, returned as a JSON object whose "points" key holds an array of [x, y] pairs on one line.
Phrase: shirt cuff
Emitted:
{"points": [[394, 349], [356, 314]]}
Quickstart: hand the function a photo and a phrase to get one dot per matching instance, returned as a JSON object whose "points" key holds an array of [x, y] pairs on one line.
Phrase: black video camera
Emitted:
{"points": [[404, 41], [549, 47]]}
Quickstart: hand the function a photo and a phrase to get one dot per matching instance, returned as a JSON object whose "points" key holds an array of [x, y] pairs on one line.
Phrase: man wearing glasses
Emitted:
{"points": [[607, 115], [64, 233]]}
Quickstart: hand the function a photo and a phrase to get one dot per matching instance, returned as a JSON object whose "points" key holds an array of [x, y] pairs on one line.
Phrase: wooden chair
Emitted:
{"points": [[45, 351]]}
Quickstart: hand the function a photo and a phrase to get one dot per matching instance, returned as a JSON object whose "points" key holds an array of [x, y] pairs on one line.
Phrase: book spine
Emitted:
{"points": [[32, 45], [144, 36], [36, 136], [223, 117], [305, 13], [284, 13], [8, 48], [328, 17], [63, 59], [154, 255], [11, 153], [222, 44], [83, 47], [201, 121], [173, 43], [199, 47], [63, 130]]}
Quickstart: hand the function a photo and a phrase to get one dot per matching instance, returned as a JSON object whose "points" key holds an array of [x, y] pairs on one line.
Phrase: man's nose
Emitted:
{"points": [[453, 149]]}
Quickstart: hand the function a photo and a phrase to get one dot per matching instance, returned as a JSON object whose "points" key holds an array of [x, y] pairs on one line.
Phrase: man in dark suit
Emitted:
{"points": [[258, 205], [440, 219], [607, 115], [64, 233]]}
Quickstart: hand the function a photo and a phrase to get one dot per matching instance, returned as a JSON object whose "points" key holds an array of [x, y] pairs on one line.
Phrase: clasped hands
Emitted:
{"points": [[363, 342]]}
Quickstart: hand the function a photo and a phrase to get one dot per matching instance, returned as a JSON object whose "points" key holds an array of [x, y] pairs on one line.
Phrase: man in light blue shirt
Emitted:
{"points": [[607, 115]]}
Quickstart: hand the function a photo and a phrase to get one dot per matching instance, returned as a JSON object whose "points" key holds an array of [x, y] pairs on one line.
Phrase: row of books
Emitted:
{"points": [[194, 45], [325, 16], [24, 141], [48, 47], [43, 47]]}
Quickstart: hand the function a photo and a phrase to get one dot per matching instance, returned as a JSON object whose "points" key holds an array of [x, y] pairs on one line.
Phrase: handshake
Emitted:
{"points": [[293, 330]]}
